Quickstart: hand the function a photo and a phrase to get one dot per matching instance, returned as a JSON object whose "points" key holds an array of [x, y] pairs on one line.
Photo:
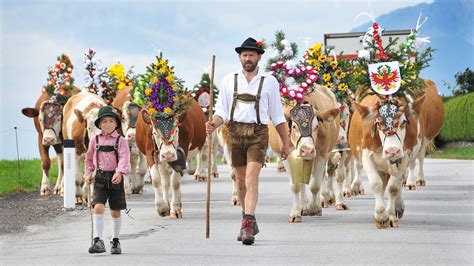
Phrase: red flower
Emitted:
{"points": [[260, 44]]}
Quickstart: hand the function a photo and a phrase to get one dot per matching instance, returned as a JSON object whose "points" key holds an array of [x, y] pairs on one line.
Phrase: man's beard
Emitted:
{"points": [[249, 66]]}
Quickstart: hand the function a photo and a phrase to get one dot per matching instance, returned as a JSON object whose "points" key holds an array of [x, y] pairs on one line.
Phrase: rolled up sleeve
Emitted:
{"points": [[275, 107]]}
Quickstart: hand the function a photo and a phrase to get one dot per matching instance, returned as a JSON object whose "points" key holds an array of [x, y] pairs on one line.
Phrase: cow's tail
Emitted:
{"points": [[431, 147]]}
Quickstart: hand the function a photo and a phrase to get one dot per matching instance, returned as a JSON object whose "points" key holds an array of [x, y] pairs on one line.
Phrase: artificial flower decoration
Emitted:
{"points": [[120, 79], [97, 78], [295, 79], [60, 81], [201, 92], [387, 116], [261, 44]]}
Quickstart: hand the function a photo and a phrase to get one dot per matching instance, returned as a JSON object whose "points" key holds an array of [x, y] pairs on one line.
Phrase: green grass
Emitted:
{"points": [[30, 172], [466, 153]]}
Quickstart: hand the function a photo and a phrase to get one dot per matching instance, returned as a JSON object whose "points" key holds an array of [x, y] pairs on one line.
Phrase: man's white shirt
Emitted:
{"points": [[270, 101]]}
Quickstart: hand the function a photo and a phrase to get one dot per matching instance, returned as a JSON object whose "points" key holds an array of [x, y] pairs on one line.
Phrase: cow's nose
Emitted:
{"points": [[341, 139], [393, 152], [48, 140], [306, 151], [167, 156]]}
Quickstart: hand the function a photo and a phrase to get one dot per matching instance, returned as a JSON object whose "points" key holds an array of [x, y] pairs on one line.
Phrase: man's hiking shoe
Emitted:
{"points": [[248, 230], [115, 246], [97, 247], [255, 231]]}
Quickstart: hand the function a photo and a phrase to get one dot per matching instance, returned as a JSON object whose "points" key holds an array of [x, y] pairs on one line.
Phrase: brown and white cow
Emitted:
{"points": [[431, 121], [314, 147], [48, 117], [80, 112], [223, 138], [160, 150], [385, 157], [134, 182]]}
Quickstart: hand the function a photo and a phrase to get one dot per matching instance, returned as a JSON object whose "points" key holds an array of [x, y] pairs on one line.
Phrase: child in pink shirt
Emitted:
{"points": [[108, 154]]}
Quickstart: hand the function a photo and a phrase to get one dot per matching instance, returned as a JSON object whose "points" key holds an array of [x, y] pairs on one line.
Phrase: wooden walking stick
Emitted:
{"points": [[209, 141]]}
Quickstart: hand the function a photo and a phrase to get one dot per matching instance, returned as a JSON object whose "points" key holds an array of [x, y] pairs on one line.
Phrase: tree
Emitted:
{"points": [[464, 82]]}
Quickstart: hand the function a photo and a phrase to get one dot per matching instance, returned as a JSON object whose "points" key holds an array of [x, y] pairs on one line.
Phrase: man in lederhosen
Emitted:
{"points": [[248, 99]]}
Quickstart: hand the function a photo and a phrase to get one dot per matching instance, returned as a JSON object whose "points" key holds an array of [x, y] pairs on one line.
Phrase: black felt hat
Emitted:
{"points": [[250, 44], [107, 111]]}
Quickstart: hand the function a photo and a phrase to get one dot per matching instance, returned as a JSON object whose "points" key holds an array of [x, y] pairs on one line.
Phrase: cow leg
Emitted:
{"points": [[356, 186], [378, 187], [129, 180], [202, 163], [420, 179], [340, 177], [280, 166], [79, 180], [175, 211], [410, 182], [349, 178], [162, 207], [139, 182], [296, 209], [327, 193], [57, 187], [314, 206], [235, 191], [45, 165], [395, 205], [215, 143]]}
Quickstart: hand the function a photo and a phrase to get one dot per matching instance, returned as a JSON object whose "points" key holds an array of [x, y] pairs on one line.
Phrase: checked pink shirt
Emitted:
{"points": [[107, 161]]}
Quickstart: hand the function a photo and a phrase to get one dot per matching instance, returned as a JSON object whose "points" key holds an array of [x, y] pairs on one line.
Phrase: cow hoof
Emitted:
{"points": [[420, 183], [296, 219], [399, 213], [341, 207], [304, 213], [394, 224], [410, 187], [200, 178], [176, 215], [45, 192], [216, 175], [348, 194], [79, 200], [235, 202], [281, 169], [325, 204], [315, 213], [162, 209], [382, 224]]}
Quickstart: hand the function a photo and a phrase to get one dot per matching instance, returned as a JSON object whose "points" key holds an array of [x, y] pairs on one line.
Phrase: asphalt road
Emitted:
{"points": [[437, 228]]}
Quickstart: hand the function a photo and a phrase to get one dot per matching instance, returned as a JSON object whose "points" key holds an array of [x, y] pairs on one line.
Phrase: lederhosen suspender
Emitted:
{"points": [[246, 97], [105, 148]]}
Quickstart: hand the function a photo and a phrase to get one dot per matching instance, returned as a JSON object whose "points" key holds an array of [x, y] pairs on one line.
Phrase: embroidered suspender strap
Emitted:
{"points": [[97, 147], [257, 101], [234, 100], [116, 147]]}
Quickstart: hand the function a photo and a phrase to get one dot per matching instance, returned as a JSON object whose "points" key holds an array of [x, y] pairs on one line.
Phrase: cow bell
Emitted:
{"points": [[300, 169]]}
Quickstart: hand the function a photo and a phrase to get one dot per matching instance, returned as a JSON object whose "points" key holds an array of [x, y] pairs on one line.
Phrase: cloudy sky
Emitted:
{"points": [[34, 33]]}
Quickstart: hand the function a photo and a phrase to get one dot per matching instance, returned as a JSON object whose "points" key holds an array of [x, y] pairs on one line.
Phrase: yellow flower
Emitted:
{"points": [[323, 58], [317, 67], [121, 85], [343, 75], [148, 92], [117, 71], [327, 77], [174, 87], [316, 49], [338, 74], [342, 86], [154, 80], [170, 78], [333, 64], [152, 111], [175, 98], [168, 111], [330, 85]]}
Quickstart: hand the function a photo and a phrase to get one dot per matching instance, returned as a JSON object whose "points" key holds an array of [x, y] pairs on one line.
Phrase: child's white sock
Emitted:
{"points": [[98, 225], [116, 224]]}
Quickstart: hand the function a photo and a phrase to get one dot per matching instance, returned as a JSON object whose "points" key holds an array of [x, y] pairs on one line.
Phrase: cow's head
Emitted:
{"points": [[87, 119], [130, 113], [304, 123], [165, 136], [50, 119], [392, 121]]}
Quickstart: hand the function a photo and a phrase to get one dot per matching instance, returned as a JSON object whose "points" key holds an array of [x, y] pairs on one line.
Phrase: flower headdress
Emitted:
{"points": [[97, 77], [120, 79], [60, 81], [160, 92], [294, 78], [201, 92]]}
